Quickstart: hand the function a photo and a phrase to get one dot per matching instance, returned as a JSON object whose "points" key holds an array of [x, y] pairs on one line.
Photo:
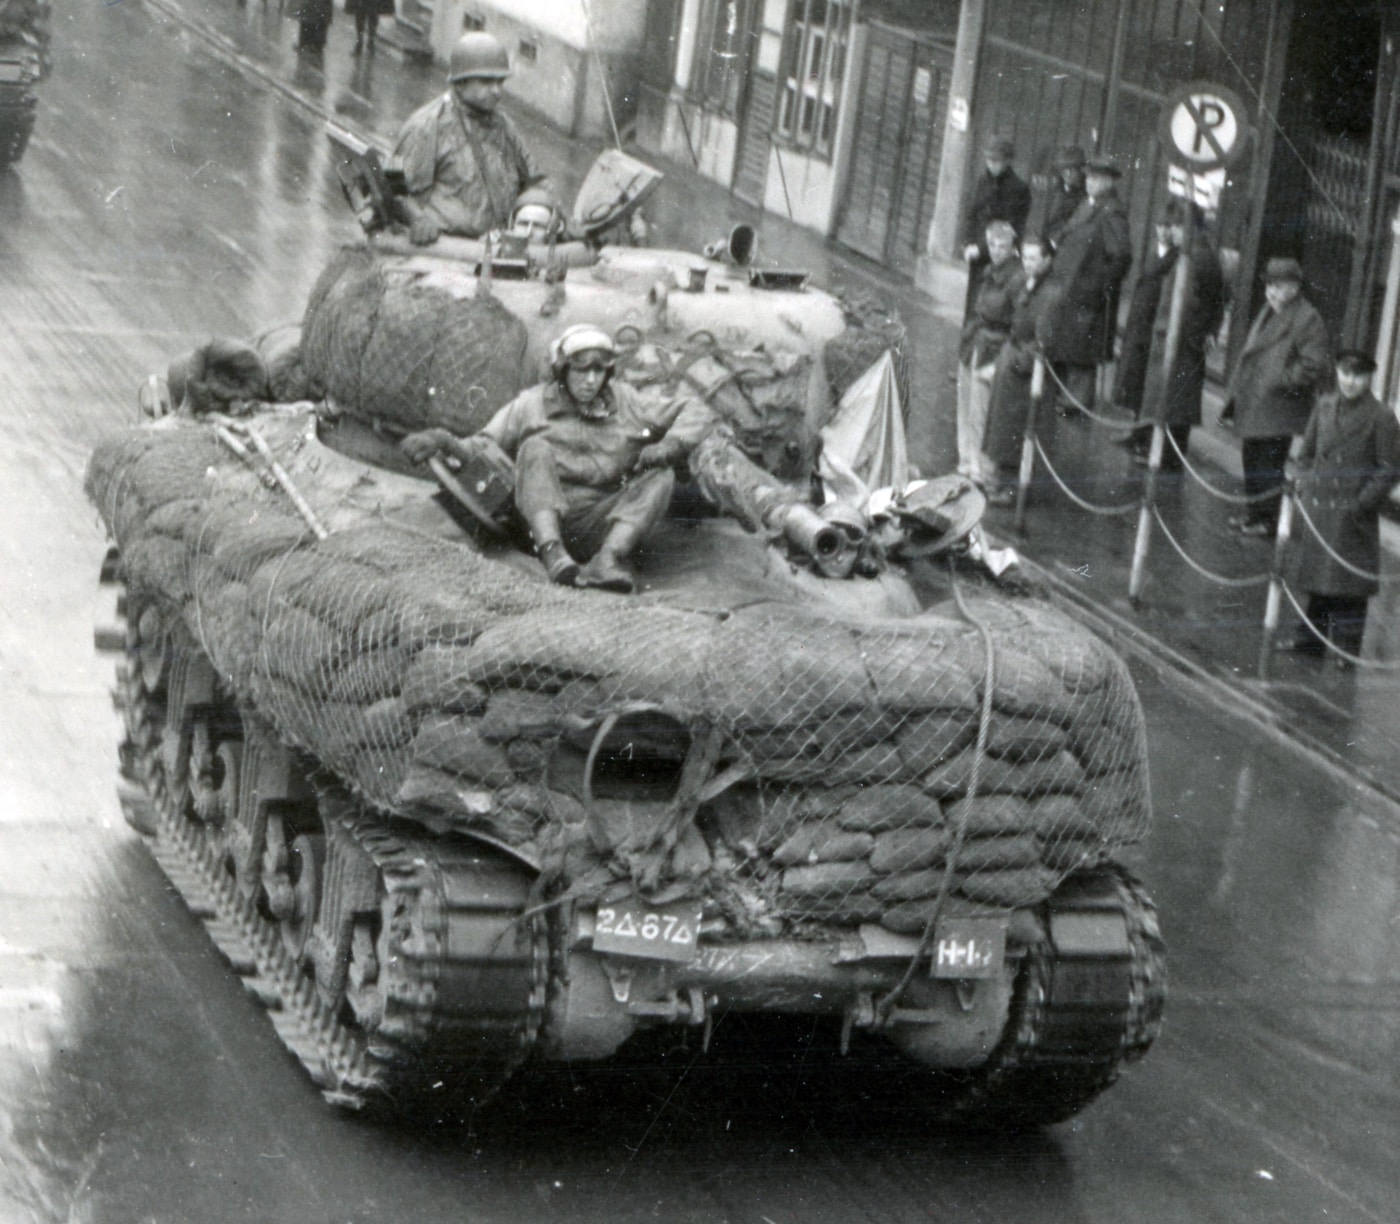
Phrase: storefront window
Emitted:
{"points": [[813, 66]]}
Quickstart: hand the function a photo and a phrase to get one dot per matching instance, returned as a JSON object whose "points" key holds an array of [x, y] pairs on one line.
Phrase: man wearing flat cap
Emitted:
{"points": [[1347, 464], [1093, 256], [1000, 195], [1285, 362], [1066, 192]]}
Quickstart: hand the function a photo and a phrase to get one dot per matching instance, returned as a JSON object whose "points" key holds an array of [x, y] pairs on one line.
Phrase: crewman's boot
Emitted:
{"points": [[544, 530], [608, 569]]}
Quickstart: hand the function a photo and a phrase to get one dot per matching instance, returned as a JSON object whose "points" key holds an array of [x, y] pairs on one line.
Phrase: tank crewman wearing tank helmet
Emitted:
{"points": [[463, 163], [593, 461]]}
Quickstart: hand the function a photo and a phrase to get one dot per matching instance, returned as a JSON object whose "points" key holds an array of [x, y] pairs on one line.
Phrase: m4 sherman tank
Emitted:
{"points": [[449, 820], [24, 62]]}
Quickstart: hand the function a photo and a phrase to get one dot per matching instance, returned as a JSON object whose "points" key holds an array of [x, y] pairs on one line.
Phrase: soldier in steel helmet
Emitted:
{"points": [[594, 463], [462, 161]]}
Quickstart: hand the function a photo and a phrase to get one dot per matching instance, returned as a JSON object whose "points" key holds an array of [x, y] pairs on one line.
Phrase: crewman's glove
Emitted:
{"points": [[654, 455], [424, 445], [423, 229]]}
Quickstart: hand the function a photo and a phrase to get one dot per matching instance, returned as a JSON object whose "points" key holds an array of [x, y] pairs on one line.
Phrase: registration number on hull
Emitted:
{"points": [[658, 932]]}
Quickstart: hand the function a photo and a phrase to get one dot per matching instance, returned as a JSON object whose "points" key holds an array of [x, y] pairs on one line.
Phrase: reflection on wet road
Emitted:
{"points": [[166, 198]]}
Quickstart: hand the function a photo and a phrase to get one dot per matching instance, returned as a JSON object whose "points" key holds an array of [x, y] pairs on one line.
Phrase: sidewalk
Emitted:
{"points": [[1204, 633]]}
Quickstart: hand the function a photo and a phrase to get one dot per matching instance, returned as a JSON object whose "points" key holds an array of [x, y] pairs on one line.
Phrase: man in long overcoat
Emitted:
{"points": [[1347, 464], [1143, 384], [1092, 257], [1011, 383], [1285, 362]]}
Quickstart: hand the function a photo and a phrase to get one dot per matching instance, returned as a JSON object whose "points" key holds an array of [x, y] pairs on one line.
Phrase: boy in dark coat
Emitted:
{"points": [[1144, 385], [984, 330], [1000, 194], [1347, 463], [1011, 384], [1286, 359]]}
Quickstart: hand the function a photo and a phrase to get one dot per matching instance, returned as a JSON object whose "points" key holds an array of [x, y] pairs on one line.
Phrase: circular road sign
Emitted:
{"points": [[1203, 126]]}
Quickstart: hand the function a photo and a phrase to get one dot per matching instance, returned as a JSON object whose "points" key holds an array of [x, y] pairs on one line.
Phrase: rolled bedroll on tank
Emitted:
{"points": [[448, 819]]}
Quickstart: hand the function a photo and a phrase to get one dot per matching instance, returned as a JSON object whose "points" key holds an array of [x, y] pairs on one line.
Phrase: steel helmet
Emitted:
{"points": [[478, 56]]}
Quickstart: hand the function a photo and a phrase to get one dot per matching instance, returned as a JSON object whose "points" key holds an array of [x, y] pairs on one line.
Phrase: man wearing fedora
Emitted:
{"points": [[1348, 461], [1092, 257], [1066, 191], [1285, 362]]}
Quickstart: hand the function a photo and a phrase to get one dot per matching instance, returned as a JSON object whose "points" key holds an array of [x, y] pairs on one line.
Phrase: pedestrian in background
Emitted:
{"points": [[313, 21], [1091, 258], [1144, 386], [1066, 192], [1011, 383], [984, 330], [1000, 194], [1347, 464], [1285, 362], [367, 14]]}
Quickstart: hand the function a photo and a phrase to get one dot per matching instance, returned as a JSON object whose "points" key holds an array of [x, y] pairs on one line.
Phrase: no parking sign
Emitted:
{"points": [[1203, 126]]}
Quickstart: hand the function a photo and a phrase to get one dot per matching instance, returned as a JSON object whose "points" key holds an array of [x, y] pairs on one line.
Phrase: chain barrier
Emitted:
{"points": [[1329, 550], [1235, 499], [1097, 417], [1354, 660], [1150, 513], [1210, 575], [1106, 511]]}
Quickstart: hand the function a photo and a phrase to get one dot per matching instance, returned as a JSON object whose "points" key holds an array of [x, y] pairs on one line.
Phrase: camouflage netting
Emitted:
{"points": [[381, 344], [791, 763], [392, 342]]}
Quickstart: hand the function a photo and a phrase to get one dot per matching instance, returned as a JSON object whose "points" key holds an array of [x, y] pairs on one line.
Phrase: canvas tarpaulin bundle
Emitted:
{"points": [[811, 764]]}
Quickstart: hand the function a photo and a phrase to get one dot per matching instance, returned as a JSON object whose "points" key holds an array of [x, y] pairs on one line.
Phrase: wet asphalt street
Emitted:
{"points": [[168, 197]]}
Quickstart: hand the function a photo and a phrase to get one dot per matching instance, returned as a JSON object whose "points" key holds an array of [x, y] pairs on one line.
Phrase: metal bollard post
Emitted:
{"points": [[1023, 477], [1144, 527], [1275, 598]]}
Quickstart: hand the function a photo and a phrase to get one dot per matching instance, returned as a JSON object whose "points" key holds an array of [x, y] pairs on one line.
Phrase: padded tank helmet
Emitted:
{"points": [[477, 56], [535, 210], [577, 343]]}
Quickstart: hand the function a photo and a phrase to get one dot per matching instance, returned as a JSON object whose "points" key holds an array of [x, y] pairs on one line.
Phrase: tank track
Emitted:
{"points": [[462, 980], [1076, 1018]]}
